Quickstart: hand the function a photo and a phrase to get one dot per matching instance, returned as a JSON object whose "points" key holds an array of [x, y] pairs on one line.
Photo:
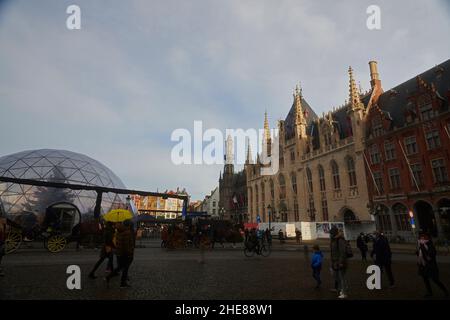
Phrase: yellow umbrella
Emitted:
{"points": [[118, 215]]}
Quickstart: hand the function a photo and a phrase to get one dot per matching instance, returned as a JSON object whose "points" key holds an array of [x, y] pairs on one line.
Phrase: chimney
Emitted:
{"points": [[374, 77]]}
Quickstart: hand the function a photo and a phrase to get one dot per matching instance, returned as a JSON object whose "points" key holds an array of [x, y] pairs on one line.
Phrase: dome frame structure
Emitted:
{"points": [[55, 166]]}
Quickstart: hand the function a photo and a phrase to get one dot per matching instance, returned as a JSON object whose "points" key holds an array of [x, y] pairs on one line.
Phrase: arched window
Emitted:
{"points": [[321, 178], [351, 172], [282, 183], [401, 217], [335, 174], [383, 219], [309, 179], [294, 182]]}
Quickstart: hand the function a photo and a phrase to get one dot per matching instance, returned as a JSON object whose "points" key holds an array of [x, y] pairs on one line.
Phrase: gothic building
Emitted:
{"points": [[322, 175], [381, 157], [232, 189]]}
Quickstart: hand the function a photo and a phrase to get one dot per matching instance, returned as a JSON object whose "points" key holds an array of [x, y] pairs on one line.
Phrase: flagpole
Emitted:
{"points": [[371, 173], [409, 166]]}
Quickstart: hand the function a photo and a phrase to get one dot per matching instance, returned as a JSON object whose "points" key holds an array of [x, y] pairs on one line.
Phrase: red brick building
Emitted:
{"points": [[407, 155]]}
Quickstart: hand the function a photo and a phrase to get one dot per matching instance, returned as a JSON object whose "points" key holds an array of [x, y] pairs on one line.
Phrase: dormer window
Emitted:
{"points": [[425, 107], [377, 126]]}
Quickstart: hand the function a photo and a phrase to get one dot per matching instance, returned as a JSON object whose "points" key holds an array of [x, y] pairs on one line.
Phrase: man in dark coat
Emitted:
{"points": [[125, 243], [426, 261], [362, 246], [382, 255], [339, 260]]}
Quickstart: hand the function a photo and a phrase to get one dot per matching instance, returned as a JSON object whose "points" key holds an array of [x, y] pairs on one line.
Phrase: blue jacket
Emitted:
{"points": [[317, 259]]}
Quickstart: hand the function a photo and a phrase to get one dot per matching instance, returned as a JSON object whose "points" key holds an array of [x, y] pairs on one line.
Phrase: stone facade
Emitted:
{"points": [[322, 174]]}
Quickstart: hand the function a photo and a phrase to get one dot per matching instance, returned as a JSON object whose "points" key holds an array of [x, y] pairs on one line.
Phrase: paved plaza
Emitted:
{"points": [[225, 274]]}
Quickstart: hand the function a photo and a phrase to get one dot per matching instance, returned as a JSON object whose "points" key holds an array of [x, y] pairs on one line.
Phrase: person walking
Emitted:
{"points": [[106, 251], [298, 235], [3, 232], [362, 246], [339, 260], [426, 261], [316, 265], [125, 244], [281, 236], [383, 256]]}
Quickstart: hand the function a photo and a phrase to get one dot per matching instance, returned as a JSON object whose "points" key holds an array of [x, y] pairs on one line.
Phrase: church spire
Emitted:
{"points": [[267, 140], [266, 127], [299, 116], [249, 152], [229, 147], [354, 98]]}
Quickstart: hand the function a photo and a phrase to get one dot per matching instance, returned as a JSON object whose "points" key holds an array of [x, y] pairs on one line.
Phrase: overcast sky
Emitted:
{"points": [[116, 89]]}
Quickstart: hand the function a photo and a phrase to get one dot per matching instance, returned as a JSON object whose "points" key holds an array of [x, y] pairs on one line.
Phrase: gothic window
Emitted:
{"points": [[263, 192], [351, 172], [282, 184], [272, 190], [324, 209], [309, 178], [321, 178], [335, 173], [294, 182]]}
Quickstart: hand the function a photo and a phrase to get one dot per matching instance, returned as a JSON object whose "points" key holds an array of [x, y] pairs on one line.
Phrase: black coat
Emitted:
{"points": [[361, 243], [382, 251], [430, 269]]}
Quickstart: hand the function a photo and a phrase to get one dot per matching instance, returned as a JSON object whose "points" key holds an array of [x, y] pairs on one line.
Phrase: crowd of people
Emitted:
{"points": [[340, 252], [118, 240]]}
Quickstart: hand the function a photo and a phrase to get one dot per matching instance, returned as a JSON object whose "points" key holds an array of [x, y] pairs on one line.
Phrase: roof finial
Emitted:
{"points": [[354, 100]]}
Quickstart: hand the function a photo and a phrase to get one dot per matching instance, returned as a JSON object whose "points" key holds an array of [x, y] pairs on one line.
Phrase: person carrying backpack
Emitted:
{"points": [[340, 251]]}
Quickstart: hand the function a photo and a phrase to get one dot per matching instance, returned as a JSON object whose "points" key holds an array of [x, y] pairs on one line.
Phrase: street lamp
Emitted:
{"points": [[269, 214]]}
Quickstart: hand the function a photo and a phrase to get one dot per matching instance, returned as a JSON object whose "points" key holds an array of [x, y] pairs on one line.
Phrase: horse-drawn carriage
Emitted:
{"points": [[60, 226]]}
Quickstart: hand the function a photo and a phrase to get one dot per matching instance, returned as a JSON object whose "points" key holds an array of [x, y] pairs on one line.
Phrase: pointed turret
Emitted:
{"points": [[229, 168], [249, 159], [267, 140], [354, 98], [299, 116]]}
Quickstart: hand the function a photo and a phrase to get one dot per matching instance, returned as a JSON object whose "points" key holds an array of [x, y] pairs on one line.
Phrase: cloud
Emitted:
{"points": [[116, 89]]}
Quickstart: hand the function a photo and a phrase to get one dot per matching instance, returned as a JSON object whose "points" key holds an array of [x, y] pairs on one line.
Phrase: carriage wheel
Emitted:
{"points": [[56, 243], [13, 241]]}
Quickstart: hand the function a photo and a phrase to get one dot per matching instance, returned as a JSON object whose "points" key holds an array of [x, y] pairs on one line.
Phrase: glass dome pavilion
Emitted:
{"points": [[55, 166]]}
